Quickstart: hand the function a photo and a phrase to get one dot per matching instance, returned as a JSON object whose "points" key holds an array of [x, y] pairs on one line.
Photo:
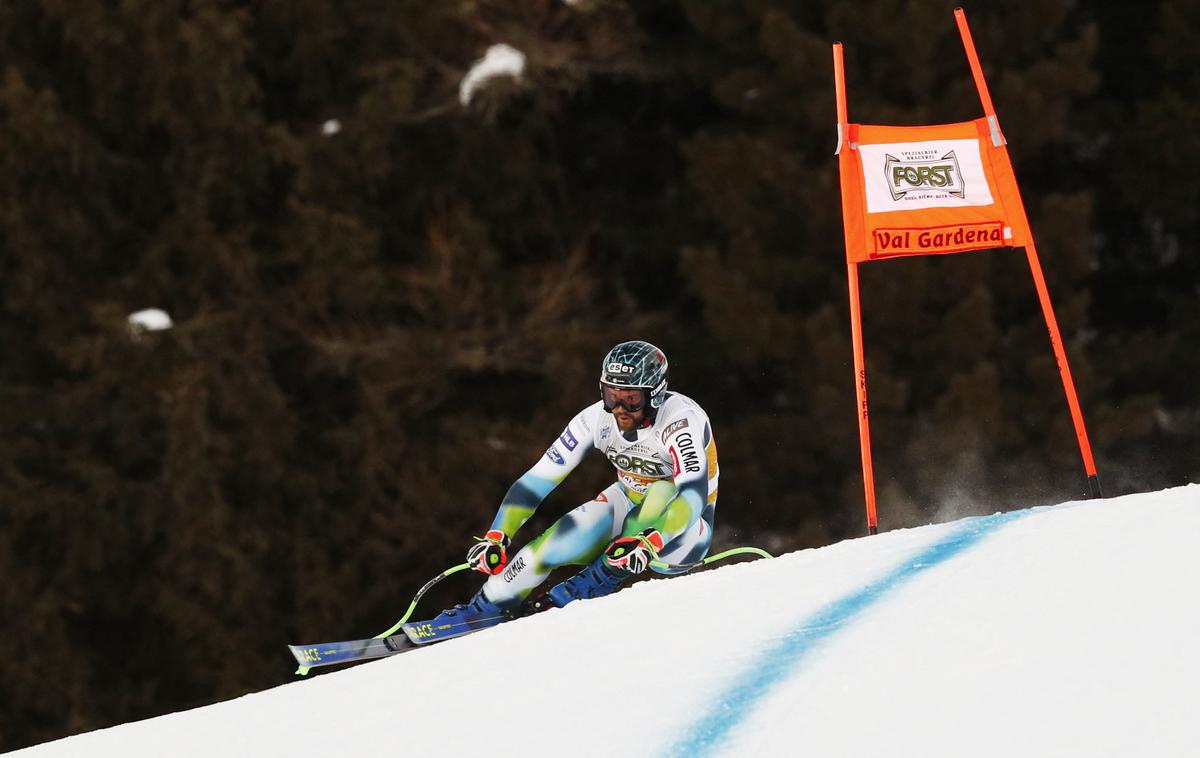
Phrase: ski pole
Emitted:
{"points": [[660, 566], [416, 598], [303, 670]]}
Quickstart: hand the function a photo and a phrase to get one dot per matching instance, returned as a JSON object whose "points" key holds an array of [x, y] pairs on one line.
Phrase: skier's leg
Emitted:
{"points": [[576, 538], [598, 578], [665, 510], [689, 547]]}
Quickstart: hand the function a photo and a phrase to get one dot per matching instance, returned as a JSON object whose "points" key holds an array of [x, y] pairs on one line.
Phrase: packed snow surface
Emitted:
{"points": [[1067, 630]]}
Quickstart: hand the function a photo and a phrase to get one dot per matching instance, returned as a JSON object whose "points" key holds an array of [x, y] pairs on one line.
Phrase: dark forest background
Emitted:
{"points": [[379, 327]]}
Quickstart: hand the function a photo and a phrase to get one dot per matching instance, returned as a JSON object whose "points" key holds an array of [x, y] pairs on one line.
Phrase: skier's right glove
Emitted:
{"points": [[634, 554], [489, 555]]}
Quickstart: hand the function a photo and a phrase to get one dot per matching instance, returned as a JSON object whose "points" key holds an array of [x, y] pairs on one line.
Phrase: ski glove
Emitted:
{"points": [[489, 555], [633, 554]]}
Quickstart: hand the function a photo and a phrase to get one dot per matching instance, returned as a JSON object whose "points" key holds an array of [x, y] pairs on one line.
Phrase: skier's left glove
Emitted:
{"points": [[490, 553], [633, 554]]}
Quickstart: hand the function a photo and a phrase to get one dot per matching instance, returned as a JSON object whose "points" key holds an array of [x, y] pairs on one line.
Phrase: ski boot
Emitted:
{"points": [[596, 580], [478, 613]]}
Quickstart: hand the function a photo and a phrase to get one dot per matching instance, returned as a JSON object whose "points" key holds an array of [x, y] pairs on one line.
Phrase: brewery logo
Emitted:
{"points": [[921, 175]]}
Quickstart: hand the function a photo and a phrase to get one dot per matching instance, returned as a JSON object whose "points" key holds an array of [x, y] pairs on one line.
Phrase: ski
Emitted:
{"points": [[328, 653], [419, 633], [426, 632], [414, 635]]}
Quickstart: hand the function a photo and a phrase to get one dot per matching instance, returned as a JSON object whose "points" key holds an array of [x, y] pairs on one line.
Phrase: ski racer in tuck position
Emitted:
{"points": [[660, 508]]}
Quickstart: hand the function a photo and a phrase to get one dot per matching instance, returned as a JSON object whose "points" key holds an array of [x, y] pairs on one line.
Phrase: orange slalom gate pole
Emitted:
{"points": [[1064, 371], [860, 364], [964, 31], [985, 97], [839, 84], [860, 392], [1035, 266]]}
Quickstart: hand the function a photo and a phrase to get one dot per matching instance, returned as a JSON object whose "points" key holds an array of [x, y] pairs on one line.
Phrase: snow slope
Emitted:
{"points": [[1068, 630]]}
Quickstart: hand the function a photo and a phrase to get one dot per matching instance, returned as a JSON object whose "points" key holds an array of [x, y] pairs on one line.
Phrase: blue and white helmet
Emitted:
{"points": [[636, 365]]}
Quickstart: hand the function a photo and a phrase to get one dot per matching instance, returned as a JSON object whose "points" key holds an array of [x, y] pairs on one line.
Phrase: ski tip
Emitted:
{"points": [[303, 671]]}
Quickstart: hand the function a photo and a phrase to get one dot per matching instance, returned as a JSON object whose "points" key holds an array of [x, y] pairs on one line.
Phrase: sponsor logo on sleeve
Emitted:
{"points": [[553, 454], [514, 568], [674, 427], [685, 454], [568, 439]]}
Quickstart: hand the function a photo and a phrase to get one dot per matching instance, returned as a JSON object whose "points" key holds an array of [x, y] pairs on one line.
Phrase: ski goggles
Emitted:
{"points": [[632, 400]]}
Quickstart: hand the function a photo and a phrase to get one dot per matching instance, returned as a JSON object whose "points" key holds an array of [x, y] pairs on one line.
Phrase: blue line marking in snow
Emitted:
{"points": [[776, 663]]}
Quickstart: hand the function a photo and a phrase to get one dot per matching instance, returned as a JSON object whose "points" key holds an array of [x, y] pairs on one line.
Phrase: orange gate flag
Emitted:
{"points": [[928, 190], [922, 190]]}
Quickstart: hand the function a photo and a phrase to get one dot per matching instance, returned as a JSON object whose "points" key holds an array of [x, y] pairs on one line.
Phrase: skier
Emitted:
{"points": [[660, 508]]}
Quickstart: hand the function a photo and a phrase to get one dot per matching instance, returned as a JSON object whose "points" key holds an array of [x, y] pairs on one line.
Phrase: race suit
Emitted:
{"points": [[666, 480]]}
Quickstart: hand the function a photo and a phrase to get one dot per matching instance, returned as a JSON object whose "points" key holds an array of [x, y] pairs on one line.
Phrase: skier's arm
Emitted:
{"points": [[672, 511], [559, 460]]}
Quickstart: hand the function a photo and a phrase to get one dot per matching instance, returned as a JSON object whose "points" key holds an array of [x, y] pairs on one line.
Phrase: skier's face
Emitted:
{"points": [[627, 421], [628, 407]]}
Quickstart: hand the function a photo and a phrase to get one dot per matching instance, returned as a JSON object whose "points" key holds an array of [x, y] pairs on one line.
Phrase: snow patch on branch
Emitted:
{"points": [[500, 60], [148, 320], [151, 320]]}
